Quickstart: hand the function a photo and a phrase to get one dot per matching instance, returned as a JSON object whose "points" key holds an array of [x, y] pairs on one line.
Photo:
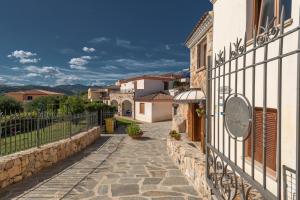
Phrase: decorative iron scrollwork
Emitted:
{"points": [[238, 49], [228, 183], [268, 33], [220, 58]]}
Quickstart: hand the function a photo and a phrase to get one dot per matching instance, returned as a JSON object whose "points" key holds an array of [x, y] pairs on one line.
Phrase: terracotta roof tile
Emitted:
{"points": [[160, 96]]}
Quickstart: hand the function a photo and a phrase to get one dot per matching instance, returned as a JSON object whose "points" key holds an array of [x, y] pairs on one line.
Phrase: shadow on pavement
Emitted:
{"points": [[42, 177]]}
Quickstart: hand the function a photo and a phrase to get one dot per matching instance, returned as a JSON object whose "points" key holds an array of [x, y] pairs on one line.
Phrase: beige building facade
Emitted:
{"points": [[200, 43]]}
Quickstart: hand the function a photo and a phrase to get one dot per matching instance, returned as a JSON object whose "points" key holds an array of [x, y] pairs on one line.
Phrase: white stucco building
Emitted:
{"points": [[139, 88]]}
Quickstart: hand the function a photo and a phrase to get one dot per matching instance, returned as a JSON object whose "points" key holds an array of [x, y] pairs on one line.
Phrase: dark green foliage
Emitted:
{"points": [[72, 104], [41, 104], [96, 106], [8, 105]]}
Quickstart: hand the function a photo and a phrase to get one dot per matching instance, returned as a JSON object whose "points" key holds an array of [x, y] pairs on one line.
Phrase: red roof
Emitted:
{"points": [[36, 92], [160, 96]]}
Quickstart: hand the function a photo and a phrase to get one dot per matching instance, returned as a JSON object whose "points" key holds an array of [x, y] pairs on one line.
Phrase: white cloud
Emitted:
{"points": [[137, 64], [79, 63], [32, 75], [99, 40], [67, 79], [88, 50], [15, 68], [127, 44], [24, 57], [167, 47], [45, 71]]}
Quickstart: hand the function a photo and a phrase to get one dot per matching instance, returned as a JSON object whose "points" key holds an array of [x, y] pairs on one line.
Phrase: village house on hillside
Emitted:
{"points": [[101, 93], [30, 95], [140, 97]]}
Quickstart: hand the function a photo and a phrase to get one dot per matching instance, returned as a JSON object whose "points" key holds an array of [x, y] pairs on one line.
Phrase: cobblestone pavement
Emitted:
{"points": [[116, 167]]}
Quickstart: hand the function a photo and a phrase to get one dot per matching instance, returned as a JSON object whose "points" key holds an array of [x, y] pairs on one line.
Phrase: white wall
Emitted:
{"points": [[154, 111], [130, 86], [147, 117], [161, 111], [145, 87], [230, 23]]}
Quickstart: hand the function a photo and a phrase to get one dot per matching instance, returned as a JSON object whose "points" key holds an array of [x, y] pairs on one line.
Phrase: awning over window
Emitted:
{"points": [[191, 96]]}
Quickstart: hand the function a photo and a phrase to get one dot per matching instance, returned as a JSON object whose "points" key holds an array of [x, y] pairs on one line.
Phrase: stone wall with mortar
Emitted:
{"points": [[198, 76], [18, 166], [191, 162]]}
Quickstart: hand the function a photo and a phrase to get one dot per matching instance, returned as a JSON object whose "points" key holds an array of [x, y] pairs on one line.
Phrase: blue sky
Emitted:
{"points": [[93, 42]]}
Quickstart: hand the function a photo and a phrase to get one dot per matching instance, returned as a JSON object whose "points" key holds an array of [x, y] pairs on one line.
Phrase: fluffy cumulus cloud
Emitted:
{"points": [[99, 40], [35, 71], [88, 50], [79, 63], [127, 44], [24, 57]]}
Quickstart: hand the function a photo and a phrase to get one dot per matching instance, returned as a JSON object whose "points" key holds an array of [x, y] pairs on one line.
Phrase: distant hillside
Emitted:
{"points": [[66, 89]]}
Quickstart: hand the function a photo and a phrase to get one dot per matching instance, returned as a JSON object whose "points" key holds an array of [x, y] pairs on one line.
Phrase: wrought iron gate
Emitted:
{"points": [[253, 98]]}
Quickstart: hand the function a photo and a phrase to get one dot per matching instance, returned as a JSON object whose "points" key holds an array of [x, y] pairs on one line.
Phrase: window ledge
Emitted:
{"points": [[287, 23], [200, 69], [259, 167]]}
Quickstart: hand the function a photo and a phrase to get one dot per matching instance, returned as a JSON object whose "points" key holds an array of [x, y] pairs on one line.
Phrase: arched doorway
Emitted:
{"points": [[127, 108], [114, 103]]}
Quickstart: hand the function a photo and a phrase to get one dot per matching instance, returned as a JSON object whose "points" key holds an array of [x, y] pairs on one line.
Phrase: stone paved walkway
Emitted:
{"points": [[115, 167]]}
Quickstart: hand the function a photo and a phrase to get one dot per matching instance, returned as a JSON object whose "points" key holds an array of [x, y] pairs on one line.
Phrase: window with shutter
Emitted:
{"points": [[142, 108], [202, 52], [271, 136]]}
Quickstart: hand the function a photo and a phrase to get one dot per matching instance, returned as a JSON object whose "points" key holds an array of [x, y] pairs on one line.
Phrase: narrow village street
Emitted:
{"points": [[115, 167]]}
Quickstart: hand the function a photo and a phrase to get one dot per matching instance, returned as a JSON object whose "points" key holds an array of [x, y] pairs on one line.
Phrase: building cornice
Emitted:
{"points": [[205, 25]]}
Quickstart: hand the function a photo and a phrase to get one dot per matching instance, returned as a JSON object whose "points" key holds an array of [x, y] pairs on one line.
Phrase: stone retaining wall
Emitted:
{"points": [[16, 167], [191, 162]]}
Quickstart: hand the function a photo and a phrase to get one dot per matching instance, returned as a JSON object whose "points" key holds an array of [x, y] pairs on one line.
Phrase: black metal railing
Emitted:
{"points": [[21, 131]]}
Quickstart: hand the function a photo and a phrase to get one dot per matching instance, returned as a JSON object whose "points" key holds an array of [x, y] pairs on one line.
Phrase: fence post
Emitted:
{"points": [[38, 130], [0, 133], [70, 124]]}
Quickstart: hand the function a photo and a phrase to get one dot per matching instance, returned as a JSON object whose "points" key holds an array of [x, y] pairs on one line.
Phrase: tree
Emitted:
{"points": [[72, 104], [8, 104], [49, 104]]}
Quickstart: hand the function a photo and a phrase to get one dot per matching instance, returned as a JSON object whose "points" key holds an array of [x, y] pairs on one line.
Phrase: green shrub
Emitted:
{"points": [[8, 104], [134, 130]]}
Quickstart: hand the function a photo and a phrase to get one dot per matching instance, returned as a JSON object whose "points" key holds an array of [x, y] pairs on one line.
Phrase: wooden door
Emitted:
{"points": [[194, 123]]}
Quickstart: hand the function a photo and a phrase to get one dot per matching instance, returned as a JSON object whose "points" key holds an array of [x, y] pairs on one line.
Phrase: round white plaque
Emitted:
{"points": [[238, 116]]}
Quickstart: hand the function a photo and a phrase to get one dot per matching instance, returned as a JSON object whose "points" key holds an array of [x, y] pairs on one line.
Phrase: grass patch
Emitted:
{"points": [[125, 122], [48, 134]]}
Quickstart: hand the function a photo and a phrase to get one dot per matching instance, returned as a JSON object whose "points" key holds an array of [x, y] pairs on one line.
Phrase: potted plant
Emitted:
{"points": [[177, 136], [174, 134], [134, 131], [200, 112]]}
